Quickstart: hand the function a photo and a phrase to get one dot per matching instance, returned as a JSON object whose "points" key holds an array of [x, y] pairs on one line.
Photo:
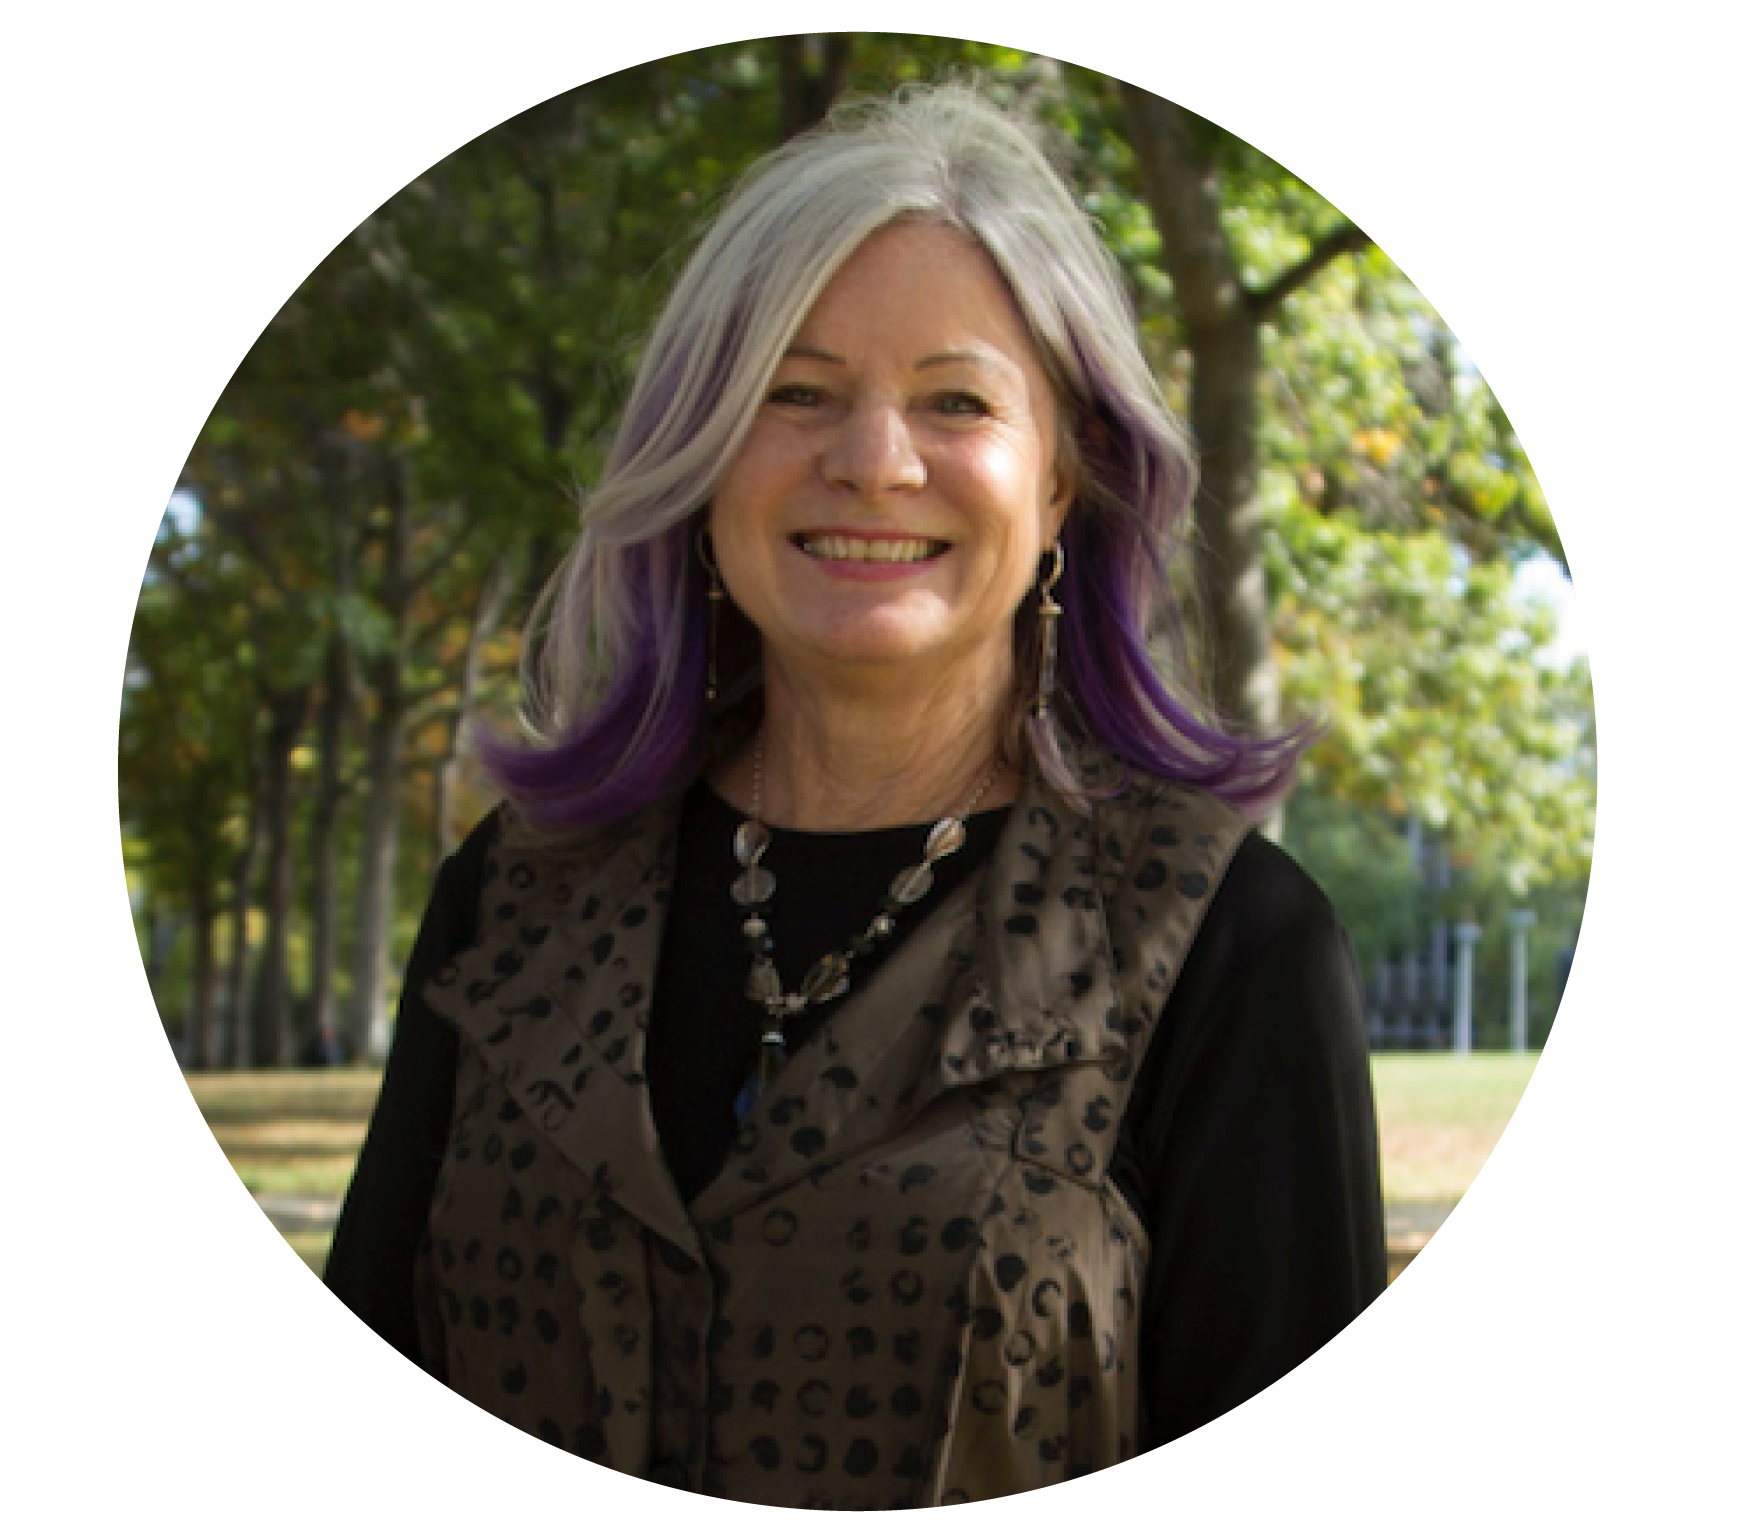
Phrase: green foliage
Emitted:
{"points": [[1361, 857], [1430, 674], [1361, 861], [362, 624], [1371, 412]]}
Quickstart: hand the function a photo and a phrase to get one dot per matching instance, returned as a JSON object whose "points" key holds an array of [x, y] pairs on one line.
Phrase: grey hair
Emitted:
{"points": [[618, 646], [941, 153]]}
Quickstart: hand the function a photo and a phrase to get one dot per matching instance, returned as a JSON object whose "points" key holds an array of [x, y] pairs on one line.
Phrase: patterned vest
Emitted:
{"points": [[912, 1282]]}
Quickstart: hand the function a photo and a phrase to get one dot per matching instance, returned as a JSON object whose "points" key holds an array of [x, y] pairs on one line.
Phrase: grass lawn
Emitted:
{"points": [[289, 1134], [294, 1134], [1440, 1116]]}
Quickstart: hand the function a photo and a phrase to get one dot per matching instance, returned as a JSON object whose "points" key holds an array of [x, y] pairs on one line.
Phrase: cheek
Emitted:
{"points": [[736, 542], [743, 580]]}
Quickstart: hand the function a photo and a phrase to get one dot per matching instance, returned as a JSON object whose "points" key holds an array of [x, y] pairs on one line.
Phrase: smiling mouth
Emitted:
{"points": [[832, 548]]}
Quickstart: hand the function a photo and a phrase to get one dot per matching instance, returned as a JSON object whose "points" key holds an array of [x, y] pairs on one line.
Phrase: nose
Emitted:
{"points": [[873, 452]]}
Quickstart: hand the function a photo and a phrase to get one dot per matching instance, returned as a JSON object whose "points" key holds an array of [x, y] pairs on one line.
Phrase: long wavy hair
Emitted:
{"points": [[617, 648]]}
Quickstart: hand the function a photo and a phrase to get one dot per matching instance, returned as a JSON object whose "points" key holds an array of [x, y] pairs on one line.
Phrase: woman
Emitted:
{"points": [[871, 1062]]}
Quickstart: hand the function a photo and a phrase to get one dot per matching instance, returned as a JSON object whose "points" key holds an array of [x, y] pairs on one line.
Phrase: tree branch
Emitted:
{"points": [[1347, 239], [447, 552]]}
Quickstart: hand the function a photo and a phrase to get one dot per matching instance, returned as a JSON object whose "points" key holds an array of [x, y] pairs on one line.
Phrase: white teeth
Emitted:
{"points": [[860, 549]]}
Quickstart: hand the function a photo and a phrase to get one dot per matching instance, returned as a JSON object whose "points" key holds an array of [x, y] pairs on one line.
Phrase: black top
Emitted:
{"points": [[1248, 1150]]}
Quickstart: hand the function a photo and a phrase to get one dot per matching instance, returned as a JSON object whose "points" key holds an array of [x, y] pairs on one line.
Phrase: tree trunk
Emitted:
{"points": [[240, 1054], [491, 604], [1231, 580], [369, 1014], [159, 930], [814, 68], [272, 1019], [1224, 319], [336, 456], [322, 845], [199, 1050], [1182, 191]]}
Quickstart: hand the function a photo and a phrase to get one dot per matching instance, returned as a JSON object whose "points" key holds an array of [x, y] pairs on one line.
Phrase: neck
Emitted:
{"points": [[839, 763]]}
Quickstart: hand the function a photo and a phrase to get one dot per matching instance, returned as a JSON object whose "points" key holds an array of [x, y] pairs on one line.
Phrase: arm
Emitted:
{"points": [[371, 1267], [1252, 1136]]}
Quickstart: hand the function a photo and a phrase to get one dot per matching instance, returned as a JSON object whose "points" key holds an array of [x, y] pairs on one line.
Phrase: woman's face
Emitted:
{"points": [[889, 506]]}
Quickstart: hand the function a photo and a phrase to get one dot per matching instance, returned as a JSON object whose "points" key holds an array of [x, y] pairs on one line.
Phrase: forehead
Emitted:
{"points": [[916, 286]]}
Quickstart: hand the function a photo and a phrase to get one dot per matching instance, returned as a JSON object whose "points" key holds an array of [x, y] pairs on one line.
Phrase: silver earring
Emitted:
{"points": [[1049, 612], [716, 597]]}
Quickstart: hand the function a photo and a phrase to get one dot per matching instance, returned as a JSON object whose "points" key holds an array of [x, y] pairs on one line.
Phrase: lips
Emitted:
{"points": [[852, 548]]}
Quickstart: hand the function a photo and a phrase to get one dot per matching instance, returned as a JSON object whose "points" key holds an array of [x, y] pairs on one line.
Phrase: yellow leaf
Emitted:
{"points": [[363, 426], [1378, 444]]}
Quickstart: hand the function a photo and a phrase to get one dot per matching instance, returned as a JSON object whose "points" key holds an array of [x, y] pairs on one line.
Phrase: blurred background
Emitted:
{"points": [[336, 590]]}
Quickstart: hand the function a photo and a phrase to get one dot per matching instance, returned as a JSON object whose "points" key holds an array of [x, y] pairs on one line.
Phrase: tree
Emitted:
{"points": [[184, 762]]}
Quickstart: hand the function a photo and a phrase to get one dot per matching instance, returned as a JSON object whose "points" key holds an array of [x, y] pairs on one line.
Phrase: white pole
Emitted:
{"points": [[1466, 935], [1520, 919]]}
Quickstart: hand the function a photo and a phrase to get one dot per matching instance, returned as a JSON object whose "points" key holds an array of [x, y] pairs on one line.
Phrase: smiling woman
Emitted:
{"points": [[870, 1060], [886, 514]]}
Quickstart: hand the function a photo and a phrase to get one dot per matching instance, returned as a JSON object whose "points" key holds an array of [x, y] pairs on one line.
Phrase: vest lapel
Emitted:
{"points": [[555, 995]]}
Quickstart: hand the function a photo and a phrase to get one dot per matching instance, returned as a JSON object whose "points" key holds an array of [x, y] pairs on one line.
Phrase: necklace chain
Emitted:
{"points": [[828, 979]]}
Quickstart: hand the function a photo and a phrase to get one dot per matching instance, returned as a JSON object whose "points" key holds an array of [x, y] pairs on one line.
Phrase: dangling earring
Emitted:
{"points": [[1049, 612], [716, 597]]}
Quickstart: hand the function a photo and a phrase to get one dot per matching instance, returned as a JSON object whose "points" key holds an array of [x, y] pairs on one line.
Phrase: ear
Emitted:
{"points": [[1055, 516], [1064, 482]]}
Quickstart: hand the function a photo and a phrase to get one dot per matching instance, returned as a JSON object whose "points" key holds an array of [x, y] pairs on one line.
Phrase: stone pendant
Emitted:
{"points": [[828, 979], [912, 885], [754, 887], [771, 1057], [749, 842], [764, 984]]}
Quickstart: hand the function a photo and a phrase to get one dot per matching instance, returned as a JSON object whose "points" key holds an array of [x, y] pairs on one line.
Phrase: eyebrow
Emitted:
{"points": [[939, 358]]}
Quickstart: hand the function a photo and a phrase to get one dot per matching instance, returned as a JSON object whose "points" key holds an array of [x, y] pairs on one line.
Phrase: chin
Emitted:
{"points": [[871, 647]]}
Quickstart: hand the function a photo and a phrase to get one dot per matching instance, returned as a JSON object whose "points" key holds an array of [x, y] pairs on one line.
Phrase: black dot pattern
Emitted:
{"points": [[912, 1282]]}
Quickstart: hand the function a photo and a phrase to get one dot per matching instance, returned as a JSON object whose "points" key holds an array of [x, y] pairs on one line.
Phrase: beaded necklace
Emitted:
{"points": [[828, 979]]}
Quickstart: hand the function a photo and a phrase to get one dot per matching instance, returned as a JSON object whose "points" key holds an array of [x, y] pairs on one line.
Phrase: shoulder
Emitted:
{"points": [[449, 924], [1267, 901], [1263, 900], [1271, 959], [1263, 895], [465, 865], [1160, 831], [458, 883]]}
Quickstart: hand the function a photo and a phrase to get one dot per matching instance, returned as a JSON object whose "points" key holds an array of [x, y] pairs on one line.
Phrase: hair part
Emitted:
{"points": [[616, 651]]}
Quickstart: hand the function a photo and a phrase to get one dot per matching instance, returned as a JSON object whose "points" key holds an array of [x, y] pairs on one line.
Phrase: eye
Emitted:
{"points": [[796, 395], [960, 403]]}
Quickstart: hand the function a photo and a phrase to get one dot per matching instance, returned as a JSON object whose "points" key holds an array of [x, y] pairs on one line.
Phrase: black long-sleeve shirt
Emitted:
{"points": [[1249, 1149]]}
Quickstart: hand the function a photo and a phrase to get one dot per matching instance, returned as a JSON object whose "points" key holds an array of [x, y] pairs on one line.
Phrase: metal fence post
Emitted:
{"points": [[1519, 920], [1465, 936]]}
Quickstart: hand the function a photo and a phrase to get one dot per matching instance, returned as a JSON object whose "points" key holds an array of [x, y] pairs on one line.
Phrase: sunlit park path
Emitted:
{"points": [[292, 1137]]}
